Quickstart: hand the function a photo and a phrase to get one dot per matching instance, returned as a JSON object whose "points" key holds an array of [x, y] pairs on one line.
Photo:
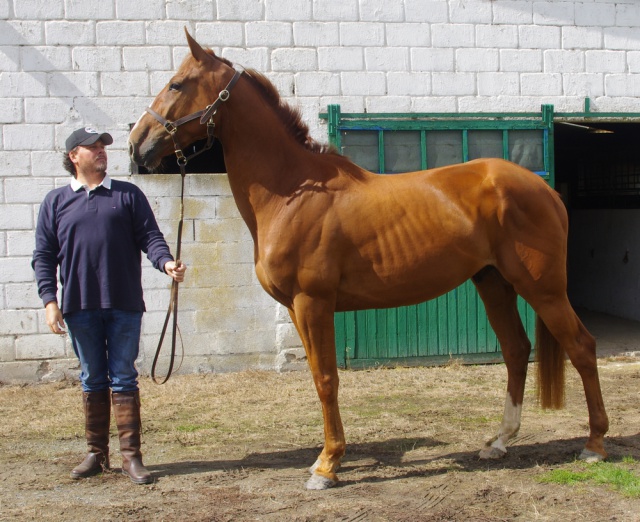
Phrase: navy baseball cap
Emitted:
{"points": [[87, 136]]}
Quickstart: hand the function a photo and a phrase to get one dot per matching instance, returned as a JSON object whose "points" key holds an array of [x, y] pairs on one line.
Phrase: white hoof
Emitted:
{"points": [[590, 456], [319, 482], [491, 452]]}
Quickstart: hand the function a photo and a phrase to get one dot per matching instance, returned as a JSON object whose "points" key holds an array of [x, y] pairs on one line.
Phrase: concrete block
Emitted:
{"points": [[147, 58], [633, 62], [388, 103], [315, 34], [49, 58], [240, 9], [140, 10], [16, 269], [9, 58], [7, 349], [518, 12], [63, 32], [39, 9], [594, 15], [432, 60], [521, 60], [189, 10], [362, 34], [238, 252], [15, 163], [292, 10], [90, 10], [22, 296], [539, 37], [22, 32], [294, 59], [564, 61], [124, 83], [311, 83], [408, 34], [453, 84], [21, 84], [166, 32], [270, 34], [12, 110], [282, 81], [386, 58], [18, 322], [497, 36], [583, 84], [221, 230], [47, 110], [73, 84], [621, 38], [256, 58], [582, 37], [27, 189], [223, 34], [541, 84], [20, 242], [455, 36], [120, 32], [465, 12], [622, 85], [345, 10], [45, 346], [381, 11], [605, 62], [208, 185], [5, 10], [498, 84], [16, 217], [28, 137], [287, 337], [96, 59], [408, 84], [627, 14], [333, 59], [477, 60], [363, 83], [434, 11], [554, 13]]}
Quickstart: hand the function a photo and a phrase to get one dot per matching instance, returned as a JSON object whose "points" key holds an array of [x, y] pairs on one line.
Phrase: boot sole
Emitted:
{"points": [[139, 481]]}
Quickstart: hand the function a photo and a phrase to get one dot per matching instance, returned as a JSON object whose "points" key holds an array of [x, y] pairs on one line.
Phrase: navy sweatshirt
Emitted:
{"points": [[96, 238]]}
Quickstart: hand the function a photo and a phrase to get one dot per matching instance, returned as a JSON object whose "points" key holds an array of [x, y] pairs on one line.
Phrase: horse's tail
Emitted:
{"points": [[550, 358]]}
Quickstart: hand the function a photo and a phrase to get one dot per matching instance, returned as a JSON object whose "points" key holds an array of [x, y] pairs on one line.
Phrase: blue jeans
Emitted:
{"points": [[107, 342]]}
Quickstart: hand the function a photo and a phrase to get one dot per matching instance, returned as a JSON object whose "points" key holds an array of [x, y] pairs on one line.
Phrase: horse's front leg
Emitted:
{"points": [[314, 320]]}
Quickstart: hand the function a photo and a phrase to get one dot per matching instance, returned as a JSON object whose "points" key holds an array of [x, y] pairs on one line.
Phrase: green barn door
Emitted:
{"points": [[455, 324]]}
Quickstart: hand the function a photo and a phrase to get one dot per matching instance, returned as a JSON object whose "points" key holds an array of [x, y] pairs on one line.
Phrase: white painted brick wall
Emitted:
{"points": [[65, 63]]}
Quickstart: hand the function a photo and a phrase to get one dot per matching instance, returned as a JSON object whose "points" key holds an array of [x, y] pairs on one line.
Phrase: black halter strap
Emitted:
{"points": [[206, 117]]}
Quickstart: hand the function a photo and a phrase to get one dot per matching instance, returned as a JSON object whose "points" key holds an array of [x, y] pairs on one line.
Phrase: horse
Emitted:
{"points": [[329, 236]]}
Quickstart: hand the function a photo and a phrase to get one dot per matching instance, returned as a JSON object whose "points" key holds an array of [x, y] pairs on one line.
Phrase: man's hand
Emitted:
{"points": [[54, 318], [176, 270]]}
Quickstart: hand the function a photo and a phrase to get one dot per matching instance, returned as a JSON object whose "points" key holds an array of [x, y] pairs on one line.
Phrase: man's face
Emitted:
{"points": [[90, 158]]}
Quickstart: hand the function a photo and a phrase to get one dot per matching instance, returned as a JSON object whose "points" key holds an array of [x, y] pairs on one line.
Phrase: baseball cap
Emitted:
{"points": [[87, 136]]}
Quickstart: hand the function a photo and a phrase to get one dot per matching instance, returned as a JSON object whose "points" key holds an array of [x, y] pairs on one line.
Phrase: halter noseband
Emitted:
{"points": [[205, 115]]}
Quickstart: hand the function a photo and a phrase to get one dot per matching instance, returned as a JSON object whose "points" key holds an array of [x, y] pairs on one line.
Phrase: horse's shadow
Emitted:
{"points": [[364, 458]]}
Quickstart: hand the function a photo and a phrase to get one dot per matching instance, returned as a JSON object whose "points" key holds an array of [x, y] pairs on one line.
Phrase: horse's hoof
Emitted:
{"points": [[590, 456], [320, 482], [491, 452]]}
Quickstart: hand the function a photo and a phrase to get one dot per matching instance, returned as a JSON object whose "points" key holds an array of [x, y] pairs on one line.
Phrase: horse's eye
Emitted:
{"points": [[174, 87]]}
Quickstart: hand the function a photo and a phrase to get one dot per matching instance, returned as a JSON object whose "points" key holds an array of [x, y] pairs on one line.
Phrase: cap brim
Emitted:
{"points": [[105, 137]]}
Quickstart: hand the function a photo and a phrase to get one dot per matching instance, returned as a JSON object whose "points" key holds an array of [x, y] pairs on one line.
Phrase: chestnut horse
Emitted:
{"points": [[330, 236]]}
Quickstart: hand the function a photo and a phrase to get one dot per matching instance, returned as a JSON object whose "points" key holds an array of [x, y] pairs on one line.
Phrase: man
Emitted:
{"points": [[94, 229]]}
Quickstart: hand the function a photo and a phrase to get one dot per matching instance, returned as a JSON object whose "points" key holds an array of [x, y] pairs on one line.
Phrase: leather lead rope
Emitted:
{"points": [[173, 301]]}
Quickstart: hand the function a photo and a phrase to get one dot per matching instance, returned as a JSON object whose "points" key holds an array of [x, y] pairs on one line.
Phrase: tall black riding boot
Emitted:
{"points": [[126, 406], [97, 414]]}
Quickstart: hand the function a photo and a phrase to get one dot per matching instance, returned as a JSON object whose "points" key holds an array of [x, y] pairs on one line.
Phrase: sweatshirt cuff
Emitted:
{"points": [[163, 262]]}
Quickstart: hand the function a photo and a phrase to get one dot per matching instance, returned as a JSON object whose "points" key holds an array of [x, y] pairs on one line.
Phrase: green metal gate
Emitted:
{"points": [[454, 325]]}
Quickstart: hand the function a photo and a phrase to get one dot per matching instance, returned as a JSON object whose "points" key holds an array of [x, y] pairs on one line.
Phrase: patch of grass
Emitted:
{"points": [[616, 475]]}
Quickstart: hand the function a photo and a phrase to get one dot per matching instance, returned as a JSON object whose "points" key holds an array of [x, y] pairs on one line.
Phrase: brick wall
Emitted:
{"points": [[67, 63]]}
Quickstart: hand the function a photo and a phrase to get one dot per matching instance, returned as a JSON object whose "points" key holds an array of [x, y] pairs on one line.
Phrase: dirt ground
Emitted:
{"points": [[236, 447]]}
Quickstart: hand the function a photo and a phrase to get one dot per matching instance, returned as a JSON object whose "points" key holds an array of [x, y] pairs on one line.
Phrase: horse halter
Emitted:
{"points": [[205, 115]]}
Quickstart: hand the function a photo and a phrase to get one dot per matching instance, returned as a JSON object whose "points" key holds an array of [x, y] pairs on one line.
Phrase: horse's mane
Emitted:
{"points": [[290, 117]]}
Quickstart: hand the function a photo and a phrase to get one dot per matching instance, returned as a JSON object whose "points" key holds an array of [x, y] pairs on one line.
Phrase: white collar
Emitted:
{"points": [[76, 185]]}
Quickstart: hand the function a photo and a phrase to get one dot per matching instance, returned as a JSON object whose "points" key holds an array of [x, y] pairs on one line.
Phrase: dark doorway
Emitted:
{"points": [[598, 174]]}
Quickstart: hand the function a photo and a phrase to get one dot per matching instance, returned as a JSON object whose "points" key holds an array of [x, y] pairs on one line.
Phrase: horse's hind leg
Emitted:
{"points": [[568, 331], [500, 301]]}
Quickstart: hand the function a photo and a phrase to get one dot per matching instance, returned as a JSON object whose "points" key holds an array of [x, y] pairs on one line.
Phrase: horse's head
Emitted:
{"points": [[163, 129]]}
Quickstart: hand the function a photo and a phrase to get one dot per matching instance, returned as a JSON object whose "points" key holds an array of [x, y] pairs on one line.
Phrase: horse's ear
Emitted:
{"points": [[196, 50]]}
